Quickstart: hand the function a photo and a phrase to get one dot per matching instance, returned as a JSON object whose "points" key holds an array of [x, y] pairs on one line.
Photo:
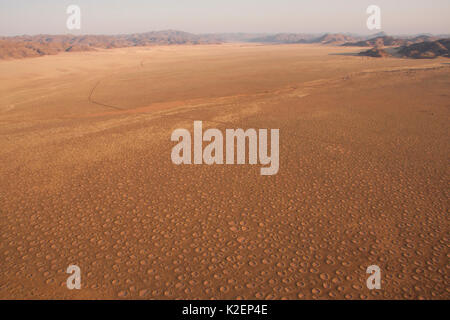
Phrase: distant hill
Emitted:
{"points": [[377, 35], [427, 50], [387, 41], [422, 50], [376, 42], [234, 37], [328, 38], [334, 38], [285, 38], [375, 53], [39, 45]]}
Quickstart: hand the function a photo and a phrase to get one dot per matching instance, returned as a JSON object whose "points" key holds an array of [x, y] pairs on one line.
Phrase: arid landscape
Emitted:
{"points": [[416, 47], [87, 177]]}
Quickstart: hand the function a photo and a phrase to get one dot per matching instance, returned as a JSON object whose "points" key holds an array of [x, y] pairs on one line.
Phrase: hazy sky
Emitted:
{"points": [[209, 16]]}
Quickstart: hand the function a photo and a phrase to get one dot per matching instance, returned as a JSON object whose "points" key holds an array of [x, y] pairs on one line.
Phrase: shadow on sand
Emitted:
{"points": [[393, 52]]}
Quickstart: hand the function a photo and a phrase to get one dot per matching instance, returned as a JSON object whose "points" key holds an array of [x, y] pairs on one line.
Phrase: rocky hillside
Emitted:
{"points": [[334, 39], [427, 50], [387, 41], [423, 50], [375, 53], [34, 46]]}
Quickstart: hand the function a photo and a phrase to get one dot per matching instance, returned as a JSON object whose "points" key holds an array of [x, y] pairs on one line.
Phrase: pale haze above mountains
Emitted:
{"points": [[109, 17]]}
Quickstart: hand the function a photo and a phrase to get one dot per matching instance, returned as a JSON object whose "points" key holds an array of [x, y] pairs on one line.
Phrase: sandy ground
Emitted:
{"points": [[87, 178]]}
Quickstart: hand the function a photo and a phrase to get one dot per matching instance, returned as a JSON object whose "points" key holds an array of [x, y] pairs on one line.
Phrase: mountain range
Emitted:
{"points": [[39, 45], [33, 46], [385, 41]]}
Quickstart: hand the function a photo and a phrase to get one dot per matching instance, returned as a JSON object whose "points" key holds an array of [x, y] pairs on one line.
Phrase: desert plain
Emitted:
{"points": [[86, 176]]}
